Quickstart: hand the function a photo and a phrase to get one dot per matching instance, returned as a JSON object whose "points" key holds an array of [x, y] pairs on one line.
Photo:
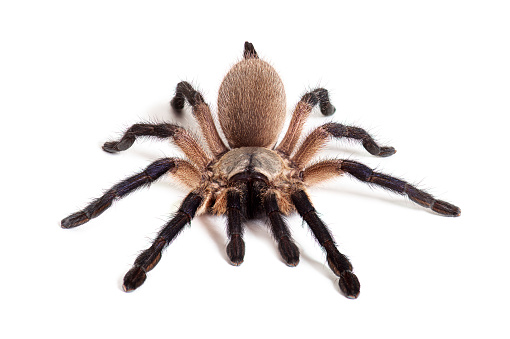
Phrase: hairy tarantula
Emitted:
{"points": [[253, 177]]}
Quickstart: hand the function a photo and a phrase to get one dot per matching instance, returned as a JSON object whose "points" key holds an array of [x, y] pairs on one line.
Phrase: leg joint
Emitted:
{"points": [[357, 170], [389, 182], [194, 97], [334, 129], [234, 199], [271, 204], [190, 205], [302, 203], [159, 167], [319, 96]]}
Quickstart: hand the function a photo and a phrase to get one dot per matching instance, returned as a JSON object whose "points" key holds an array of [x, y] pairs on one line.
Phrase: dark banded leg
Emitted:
{"points": [[185, 92], [161, 131], [144, 178], [316, 140], [235, 247], [288, 250], [320, 96], [300, 115], [341, 131], [366, 174], [338, 262], [149, 258], [180, 136]]}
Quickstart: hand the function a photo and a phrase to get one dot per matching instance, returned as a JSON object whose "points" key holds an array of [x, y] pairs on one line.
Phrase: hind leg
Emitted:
{"points": [[202, 113]]}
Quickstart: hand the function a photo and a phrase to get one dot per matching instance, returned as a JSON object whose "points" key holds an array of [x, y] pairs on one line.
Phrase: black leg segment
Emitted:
{"points": [[161, 131], [98, 206], [338, 262], [288, 250], [185, 92], [366, 174], [320, 96], [235, 247], [146, 261], [341, 131]]}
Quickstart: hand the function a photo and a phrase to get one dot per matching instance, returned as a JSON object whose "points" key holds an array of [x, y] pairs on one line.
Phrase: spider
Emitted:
{"points": [[252, 177]]}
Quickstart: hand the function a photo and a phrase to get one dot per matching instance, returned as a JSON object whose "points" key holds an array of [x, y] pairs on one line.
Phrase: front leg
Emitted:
{"points": [[281, 233], [338, 262], [235, 228], [149, 258]]}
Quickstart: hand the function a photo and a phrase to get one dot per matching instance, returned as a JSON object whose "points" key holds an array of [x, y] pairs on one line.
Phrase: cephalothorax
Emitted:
{"points": [[252, 177]]}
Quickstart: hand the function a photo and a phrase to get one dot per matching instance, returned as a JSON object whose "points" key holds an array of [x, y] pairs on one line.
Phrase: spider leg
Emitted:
{"points": [[180, 136], [118, 191], [149, 258], [301, 113], [185, 92], [288, 250], [235, 247], [318, 138], [338, 262], [327, 169]]}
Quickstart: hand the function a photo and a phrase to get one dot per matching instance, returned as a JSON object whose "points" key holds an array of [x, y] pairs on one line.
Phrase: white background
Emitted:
{"points": [[429, 78]]}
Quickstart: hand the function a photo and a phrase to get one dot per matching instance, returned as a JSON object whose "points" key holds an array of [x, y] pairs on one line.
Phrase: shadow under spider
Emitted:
{"points": [[406, 203]]}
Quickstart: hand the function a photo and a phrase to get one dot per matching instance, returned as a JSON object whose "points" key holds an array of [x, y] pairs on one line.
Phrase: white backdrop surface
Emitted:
{"points": [[429, 78]]}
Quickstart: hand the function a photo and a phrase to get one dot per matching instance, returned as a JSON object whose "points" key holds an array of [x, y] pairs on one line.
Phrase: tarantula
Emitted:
{"points": [[251, 177]]}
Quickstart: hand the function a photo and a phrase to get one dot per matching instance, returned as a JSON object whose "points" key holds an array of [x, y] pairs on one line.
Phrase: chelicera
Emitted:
{"points": [[253, 177]]}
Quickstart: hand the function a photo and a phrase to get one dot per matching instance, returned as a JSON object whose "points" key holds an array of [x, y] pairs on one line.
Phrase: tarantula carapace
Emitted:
{"points": [[251, 177]]}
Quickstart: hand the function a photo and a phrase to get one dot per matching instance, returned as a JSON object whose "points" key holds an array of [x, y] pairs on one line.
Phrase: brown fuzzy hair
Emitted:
{"points": [[251, 104]]}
